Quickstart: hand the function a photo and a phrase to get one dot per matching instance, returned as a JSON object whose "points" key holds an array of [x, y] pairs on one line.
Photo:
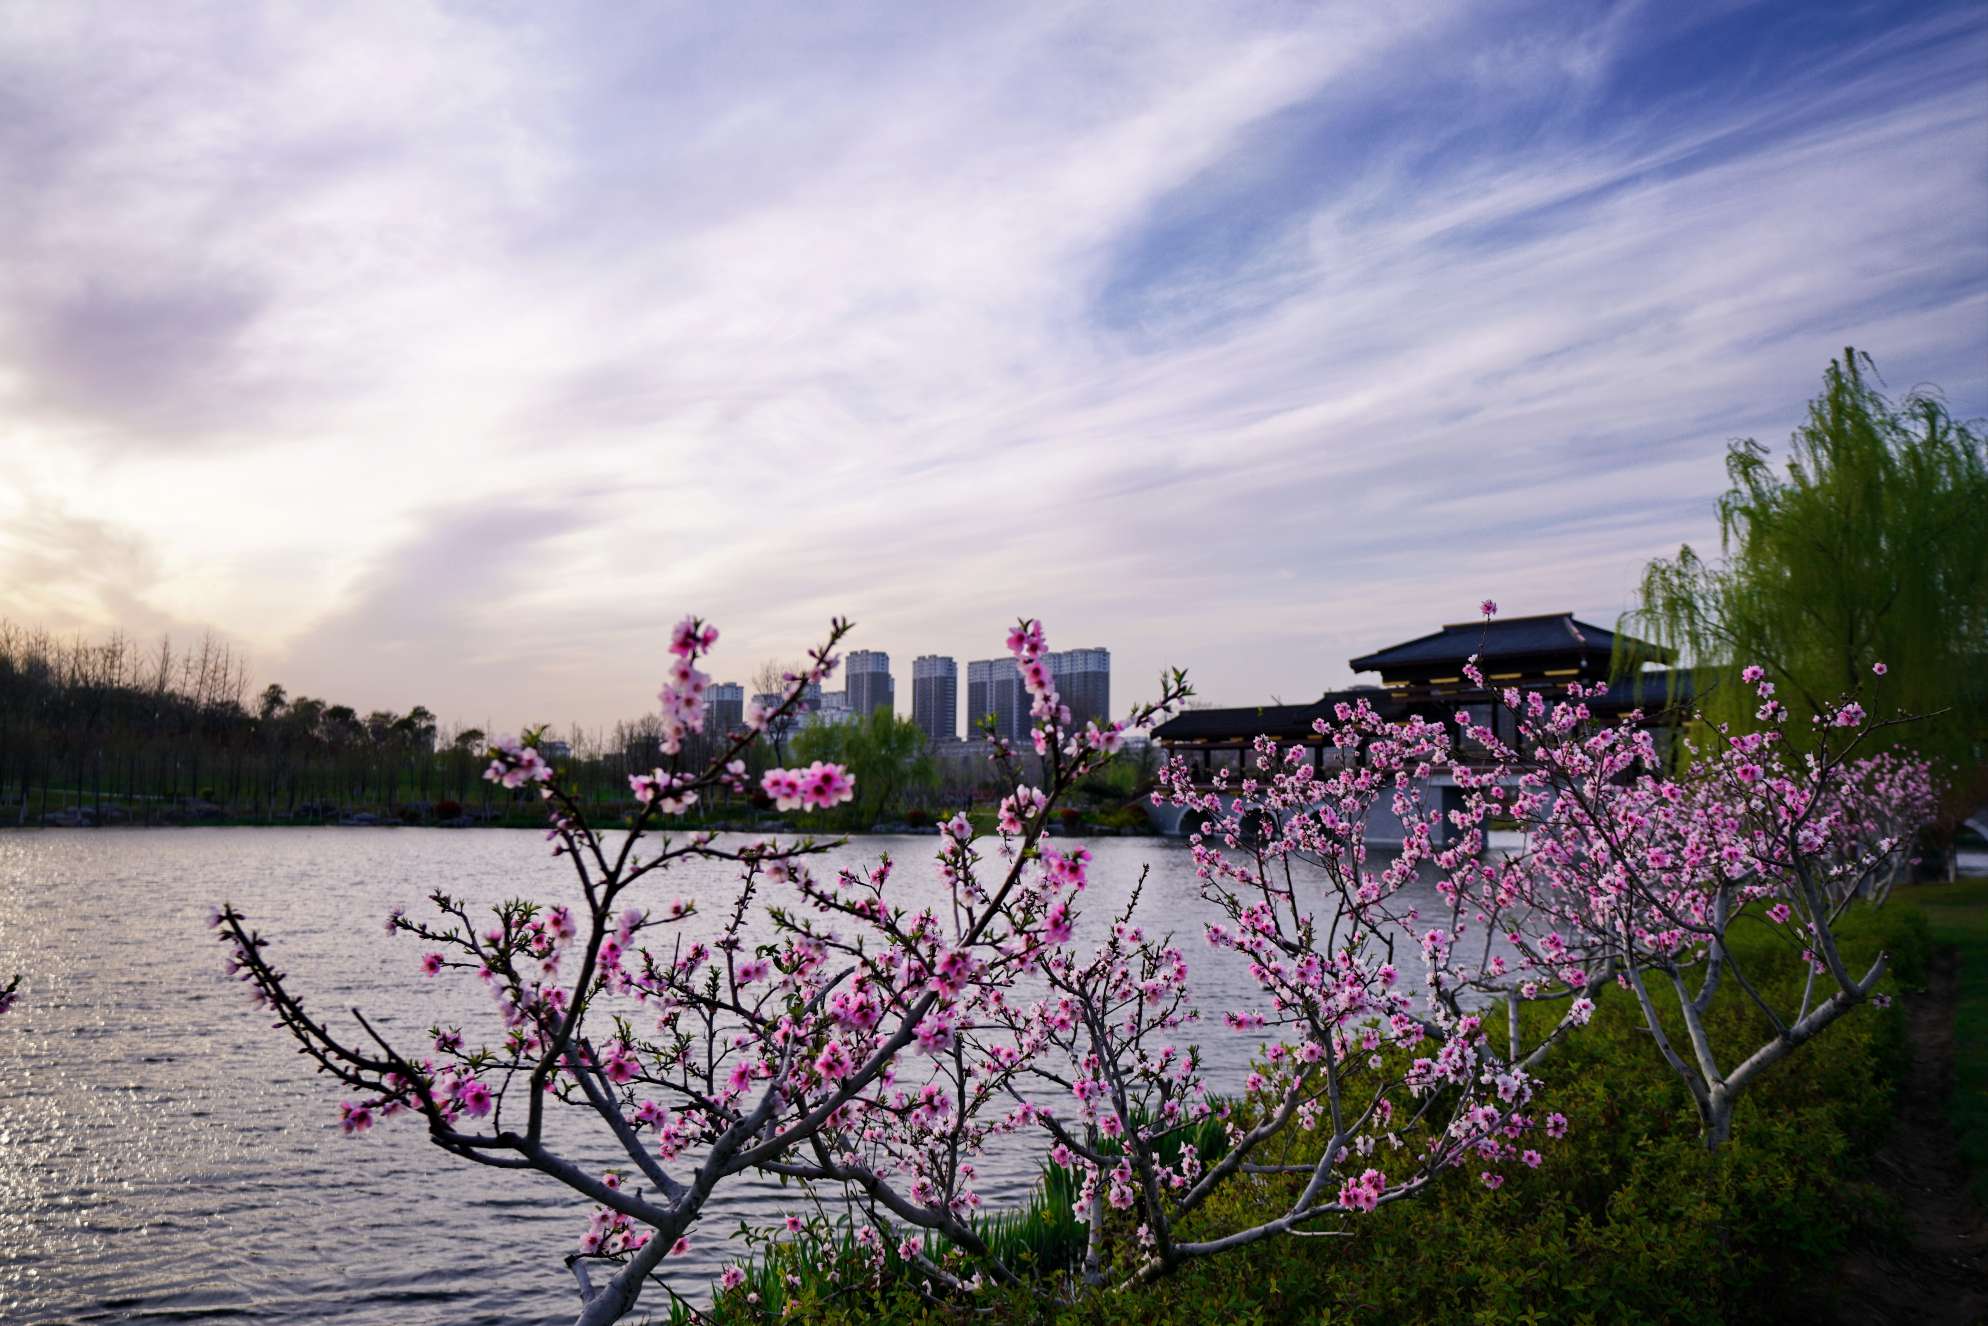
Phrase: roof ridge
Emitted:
{"points": [[1505, 621]]}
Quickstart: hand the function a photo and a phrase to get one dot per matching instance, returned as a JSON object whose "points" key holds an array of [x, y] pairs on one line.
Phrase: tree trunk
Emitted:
{"points": [[1715, 1122]]}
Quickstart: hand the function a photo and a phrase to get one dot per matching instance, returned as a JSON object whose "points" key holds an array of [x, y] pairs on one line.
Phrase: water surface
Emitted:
{"points": [[166, 1156]]}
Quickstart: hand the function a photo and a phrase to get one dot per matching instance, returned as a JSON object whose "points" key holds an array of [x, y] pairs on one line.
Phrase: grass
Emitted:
{"points": [[1629, 1220], [1957, 914]]}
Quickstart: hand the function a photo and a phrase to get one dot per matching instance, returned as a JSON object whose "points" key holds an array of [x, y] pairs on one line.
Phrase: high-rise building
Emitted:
{"points": [[1083, 680], [869, 681], [833, 711], [724, 708], [994, 686], [935, 696]]}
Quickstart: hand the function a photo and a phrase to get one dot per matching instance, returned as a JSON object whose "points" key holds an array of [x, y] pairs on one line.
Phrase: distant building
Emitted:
{"points": [[994, 686], [1083, 680], [869, 682], [724, 708], [935, 696], [556, 750], [833, 710]]}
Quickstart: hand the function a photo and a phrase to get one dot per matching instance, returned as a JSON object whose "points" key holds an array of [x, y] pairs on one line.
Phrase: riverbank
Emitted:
{"points": [[1819, 1209], [784, 827], [1118, 821]]}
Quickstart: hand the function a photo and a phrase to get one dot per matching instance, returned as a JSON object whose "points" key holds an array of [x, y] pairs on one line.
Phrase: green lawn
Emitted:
{"points": [[1957, 914]]}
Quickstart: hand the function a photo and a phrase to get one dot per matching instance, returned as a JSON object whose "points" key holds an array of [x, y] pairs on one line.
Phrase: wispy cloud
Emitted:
{"points": [[445, 357]]}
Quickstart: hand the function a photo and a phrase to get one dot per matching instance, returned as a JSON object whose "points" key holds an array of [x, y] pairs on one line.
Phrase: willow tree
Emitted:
{"points": [[1867, 545], [886, 754]]}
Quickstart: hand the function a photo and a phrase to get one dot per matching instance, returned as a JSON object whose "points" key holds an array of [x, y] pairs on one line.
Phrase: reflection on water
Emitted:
{"points": [[165, 1155]]}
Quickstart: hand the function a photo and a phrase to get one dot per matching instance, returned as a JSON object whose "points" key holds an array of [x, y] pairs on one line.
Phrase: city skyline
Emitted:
{"points": [[1083, 679]]}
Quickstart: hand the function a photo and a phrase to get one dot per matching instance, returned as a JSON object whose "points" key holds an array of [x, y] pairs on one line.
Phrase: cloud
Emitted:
{"points": [[146, 359], [1245, 339], [72, 574], [463, 611]]}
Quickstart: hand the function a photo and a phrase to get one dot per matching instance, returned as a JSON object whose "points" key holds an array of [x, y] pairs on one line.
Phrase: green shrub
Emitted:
{"points": [[1628, 1220]]}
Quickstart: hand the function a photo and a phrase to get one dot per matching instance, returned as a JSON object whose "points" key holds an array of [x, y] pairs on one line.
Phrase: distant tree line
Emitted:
{"points": [[115, 731], [112, 730]]}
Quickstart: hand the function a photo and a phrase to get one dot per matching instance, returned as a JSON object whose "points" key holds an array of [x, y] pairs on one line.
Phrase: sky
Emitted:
{"points": [[448, 353]]}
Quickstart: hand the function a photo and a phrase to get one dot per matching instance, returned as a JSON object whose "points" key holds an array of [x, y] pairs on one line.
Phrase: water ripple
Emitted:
{"points": [[165, 1156]]}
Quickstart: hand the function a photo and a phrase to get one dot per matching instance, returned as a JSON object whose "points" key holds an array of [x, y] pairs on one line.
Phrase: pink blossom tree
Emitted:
{"points": [[1645, 873], [831, 1034], [1376, 987], [1630, 874]]}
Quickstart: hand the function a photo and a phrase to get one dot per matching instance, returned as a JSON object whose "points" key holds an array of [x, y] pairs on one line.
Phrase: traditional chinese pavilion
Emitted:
{"points": [[1425, 677]]}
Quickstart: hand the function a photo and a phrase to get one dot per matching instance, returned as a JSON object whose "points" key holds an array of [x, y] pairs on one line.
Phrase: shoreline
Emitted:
{"points": [[1085, 831]]}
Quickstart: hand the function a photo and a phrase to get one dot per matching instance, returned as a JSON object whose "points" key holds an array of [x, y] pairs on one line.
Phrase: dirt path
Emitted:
{"points": [[1940, 1272]]}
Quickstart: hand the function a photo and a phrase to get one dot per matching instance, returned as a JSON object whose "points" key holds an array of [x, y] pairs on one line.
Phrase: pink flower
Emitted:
{"points": [[1779, 913], [816, 787], [1556, 1125], [826, 785], [833, 1063], [935, 1033], [1879, 669], [1488, 608], [1363, 1193], [783, 787], [473, 1098], [793, 1224], [1056, 925], [680, 1247], [431, 963], [1492, 1181], [1026, 640], [354, 1118], [692, 636], [1752, 673], [731, 1279], [1850, 715], [620, 1066]]}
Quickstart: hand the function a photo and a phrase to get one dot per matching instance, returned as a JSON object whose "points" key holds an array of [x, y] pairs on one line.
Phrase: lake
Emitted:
{"points": [[167, 1156]]}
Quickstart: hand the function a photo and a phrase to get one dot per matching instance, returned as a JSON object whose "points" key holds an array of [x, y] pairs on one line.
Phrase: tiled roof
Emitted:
{"points": [[1555, 633]]}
